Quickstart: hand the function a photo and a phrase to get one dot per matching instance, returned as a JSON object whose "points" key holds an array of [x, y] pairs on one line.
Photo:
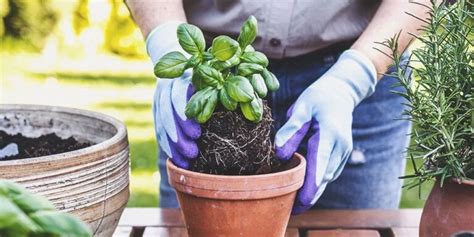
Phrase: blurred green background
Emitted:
{"points": [[89, 54]]}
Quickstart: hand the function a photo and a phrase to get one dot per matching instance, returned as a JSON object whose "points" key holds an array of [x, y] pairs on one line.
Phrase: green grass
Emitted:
{"points": [[115, 86], [124, 90]]}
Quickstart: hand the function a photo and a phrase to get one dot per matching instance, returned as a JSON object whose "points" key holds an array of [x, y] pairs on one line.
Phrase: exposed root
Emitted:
{"points": [[232, 145]]}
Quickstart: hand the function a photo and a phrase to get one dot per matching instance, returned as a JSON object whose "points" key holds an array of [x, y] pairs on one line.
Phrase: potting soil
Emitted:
{"points": [[44, 145]]}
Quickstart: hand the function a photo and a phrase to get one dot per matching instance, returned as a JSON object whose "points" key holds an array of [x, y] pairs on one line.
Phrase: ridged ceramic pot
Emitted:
{"points": [[448, 210], [91, 183], [254, 205]]}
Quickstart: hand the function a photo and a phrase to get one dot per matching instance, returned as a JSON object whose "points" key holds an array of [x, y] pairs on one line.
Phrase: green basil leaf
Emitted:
{"points": [[209, 62], [191, 39], [223, 65], [249, 48], [270, 80], [198, 82], [255, 57], [63, 224], [259, 85], [248, 32], [253, 110], [12, 217], [9, 189], [196, 104], [239, 89], [208, 56], [16, 203], [209, 75], [9, 212], [224, 47], [235, 60], [31, 203], [245, 69], [19, 231], [171, 65], [226, 101], [194, 61], [209, 106], [24, 199]]}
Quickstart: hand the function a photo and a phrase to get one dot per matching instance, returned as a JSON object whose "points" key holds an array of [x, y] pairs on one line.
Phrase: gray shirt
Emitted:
{"points": [[287, 28]]}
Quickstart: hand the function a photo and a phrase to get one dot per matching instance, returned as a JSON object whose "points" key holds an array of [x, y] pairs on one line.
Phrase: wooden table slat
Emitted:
{"points": [[292, 232], [163, 231], [343, 233], [151, 217], [123, 231], [317, 219], [181, 232], [357, 219], [404, 232], [390, 223]]}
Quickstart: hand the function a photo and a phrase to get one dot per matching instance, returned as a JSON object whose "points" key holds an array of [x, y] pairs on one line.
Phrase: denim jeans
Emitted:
{"points": [[370, 178]]}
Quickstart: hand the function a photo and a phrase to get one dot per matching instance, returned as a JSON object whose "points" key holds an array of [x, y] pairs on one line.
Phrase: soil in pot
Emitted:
{"points": [[44, 145], [232, 145]]}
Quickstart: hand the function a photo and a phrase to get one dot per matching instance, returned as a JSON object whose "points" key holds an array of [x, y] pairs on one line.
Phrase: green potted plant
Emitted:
{"points": [[236, 186], [24, 214], [441, 107]]}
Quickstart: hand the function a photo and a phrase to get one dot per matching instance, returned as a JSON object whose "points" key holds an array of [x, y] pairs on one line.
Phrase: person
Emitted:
{"points": [[334, 103]]}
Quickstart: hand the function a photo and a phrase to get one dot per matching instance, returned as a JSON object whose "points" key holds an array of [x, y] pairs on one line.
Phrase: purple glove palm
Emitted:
{"points": [[324, 112], [175, 133]]}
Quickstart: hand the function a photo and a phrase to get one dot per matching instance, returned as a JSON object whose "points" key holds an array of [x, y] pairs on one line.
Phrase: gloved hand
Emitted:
{"points": [[175, 133], [324, 112]]}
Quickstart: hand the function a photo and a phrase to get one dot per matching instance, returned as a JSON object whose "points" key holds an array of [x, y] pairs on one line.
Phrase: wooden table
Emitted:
{"points": [[327, 223]]}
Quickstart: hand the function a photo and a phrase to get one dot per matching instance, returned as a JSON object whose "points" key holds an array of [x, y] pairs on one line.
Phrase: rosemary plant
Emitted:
{"points": [[440, 99]]}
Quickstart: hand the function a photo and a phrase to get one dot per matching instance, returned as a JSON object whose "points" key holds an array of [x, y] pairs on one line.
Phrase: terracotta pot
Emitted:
{"points": [[448, 210], [219, 205], [91, 183]]}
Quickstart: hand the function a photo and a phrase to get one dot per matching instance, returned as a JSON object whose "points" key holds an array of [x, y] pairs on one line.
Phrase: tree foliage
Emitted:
{"points": [[29, 21]]}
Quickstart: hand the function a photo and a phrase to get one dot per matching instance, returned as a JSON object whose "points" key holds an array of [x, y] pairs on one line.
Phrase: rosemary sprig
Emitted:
{"points": [[440, 100]]}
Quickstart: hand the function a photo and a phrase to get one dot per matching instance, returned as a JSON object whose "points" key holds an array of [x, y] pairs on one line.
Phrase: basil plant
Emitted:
{"points": [[24, 214], [230, 72]]}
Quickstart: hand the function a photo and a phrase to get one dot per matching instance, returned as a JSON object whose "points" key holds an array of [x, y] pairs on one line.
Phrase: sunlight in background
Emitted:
{"points": [[93, 57], [75, 68]]}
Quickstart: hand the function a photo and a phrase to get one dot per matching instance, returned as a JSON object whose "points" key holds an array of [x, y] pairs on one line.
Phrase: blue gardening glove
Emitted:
{"points": [[324, 112], [175, 133]]}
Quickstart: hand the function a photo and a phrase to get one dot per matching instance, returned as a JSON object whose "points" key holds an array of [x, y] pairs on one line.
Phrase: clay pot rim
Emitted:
{"points": [[238, 187], [237, 177], [117, 124]]}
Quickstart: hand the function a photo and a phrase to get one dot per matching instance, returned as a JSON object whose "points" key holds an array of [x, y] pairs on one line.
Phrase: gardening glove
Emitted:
{"points": [[324, 112], [175, 133]]}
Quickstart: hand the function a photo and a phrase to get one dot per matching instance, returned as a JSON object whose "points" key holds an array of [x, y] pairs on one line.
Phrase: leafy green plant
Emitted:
{"points": [[441, 103], [230, 72], [24, 214]]}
